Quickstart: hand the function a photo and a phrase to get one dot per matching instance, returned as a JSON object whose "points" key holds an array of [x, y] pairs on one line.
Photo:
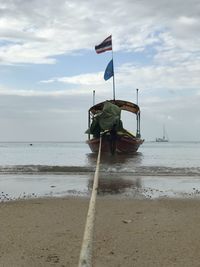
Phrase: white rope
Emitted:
{"points": [[85, 259]]}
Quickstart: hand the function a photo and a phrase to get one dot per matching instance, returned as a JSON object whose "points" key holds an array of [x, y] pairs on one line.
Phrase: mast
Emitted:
{"points": [[138, 117], [137, 96], [164, 132], [106, 45], [165, 136], [93, 97], [89, 115], [113, 76]]}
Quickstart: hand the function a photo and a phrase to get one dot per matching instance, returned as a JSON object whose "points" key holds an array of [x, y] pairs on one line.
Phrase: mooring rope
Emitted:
{"points": [[85, 259]]}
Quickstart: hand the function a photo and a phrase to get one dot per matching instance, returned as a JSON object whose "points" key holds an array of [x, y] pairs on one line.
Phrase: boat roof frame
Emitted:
{"points": [[122, 104]]}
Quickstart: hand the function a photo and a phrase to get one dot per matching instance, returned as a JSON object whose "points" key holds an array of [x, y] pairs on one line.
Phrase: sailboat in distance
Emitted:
{"points": [[163, 139]]}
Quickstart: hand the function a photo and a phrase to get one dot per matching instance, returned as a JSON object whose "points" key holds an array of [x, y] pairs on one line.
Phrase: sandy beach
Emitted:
{"points": [[128, 232]]}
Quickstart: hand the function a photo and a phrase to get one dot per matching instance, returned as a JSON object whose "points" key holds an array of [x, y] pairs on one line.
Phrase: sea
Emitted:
{"points": [[59, 169]]}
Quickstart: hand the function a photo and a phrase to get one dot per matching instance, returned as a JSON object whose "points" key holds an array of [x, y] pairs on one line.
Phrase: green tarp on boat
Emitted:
{"points": [[109, 118]]}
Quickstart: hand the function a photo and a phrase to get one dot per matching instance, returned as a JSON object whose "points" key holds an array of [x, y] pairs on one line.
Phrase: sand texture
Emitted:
{"points": [[128, 232]]}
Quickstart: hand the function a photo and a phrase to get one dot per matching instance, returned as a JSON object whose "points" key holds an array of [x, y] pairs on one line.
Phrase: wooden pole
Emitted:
{"points": [[113, 75], [93, 97]]}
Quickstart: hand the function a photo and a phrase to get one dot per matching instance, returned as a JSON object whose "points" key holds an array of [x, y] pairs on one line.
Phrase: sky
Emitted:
{"points": [[49, 67]]}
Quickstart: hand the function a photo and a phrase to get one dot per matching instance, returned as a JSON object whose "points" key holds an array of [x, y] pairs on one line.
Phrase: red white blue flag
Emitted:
{"points": [[106, 45]]}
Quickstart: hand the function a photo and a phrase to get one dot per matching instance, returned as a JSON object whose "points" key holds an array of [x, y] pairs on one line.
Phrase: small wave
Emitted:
{"points": [[167, 171], [17, 169], [136, 171]]}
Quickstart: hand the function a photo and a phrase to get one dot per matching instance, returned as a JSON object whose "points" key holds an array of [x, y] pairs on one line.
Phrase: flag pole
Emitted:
{"points": [[93, 97], [106, 45], [113, 76]]}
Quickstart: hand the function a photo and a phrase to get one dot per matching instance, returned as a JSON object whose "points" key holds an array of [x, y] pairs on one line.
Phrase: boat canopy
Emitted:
{"points": [[106, 119], [123, 105]]}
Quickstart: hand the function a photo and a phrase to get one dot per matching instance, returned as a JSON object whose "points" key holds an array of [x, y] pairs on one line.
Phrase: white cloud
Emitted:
{"points": [[35, 32], [83, 79], [178, 77], [187, 20], [11, 92], [38, 32]]}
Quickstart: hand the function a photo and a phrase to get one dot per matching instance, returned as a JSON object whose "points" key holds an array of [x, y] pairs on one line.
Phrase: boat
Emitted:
{"points": [[104, 119], [163, 139]]}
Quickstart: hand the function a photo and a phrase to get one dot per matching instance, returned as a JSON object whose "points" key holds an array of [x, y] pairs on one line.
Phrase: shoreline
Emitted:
{"points": [[128, 232], [15, 187]]}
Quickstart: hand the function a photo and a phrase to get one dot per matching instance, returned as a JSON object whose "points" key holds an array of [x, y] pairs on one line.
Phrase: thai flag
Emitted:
{"points": [[106, 45]]}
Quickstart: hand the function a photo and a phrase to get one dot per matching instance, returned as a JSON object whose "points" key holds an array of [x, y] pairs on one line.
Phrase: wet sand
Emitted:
{"points": [[128, 232]]}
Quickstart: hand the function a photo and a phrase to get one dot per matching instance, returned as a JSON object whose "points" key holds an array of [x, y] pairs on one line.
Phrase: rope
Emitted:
{"points": [[85, 259]]}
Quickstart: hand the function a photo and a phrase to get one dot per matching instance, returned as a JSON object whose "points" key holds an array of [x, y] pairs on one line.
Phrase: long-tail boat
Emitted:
{"points": [[105, 119]]}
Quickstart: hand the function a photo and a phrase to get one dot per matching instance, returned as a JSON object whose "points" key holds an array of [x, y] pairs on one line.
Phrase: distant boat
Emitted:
{"points": [[163, 139]]}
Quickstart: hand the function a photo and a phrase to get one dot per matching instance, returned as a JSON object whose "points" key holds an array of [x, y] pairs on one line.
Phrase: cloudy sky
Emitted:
{"points": [[49, 68]]}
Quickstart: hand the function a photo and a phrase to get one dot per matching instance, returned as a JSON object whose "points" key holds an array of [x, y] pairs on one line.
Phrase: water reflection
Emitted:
{"points": [[112, 183], [31, 186], [115, 185], [123, 160]]}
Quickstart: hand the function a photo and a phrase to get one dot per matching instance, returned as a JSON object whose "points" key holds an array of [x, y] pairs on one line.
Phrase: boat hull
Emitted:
{"points": [[122, 144], [161, 140]]}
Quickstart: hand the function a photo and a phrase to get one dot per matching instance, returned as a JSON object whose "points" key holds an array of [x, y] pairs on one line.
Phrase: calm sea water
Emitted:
{"points": [[51, 169], [172, 154]]}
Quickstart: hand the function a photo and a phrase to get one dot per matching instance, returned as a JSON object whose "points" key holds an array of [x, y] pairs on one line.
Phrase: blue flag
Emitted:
{"points": [[109, 71]]}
